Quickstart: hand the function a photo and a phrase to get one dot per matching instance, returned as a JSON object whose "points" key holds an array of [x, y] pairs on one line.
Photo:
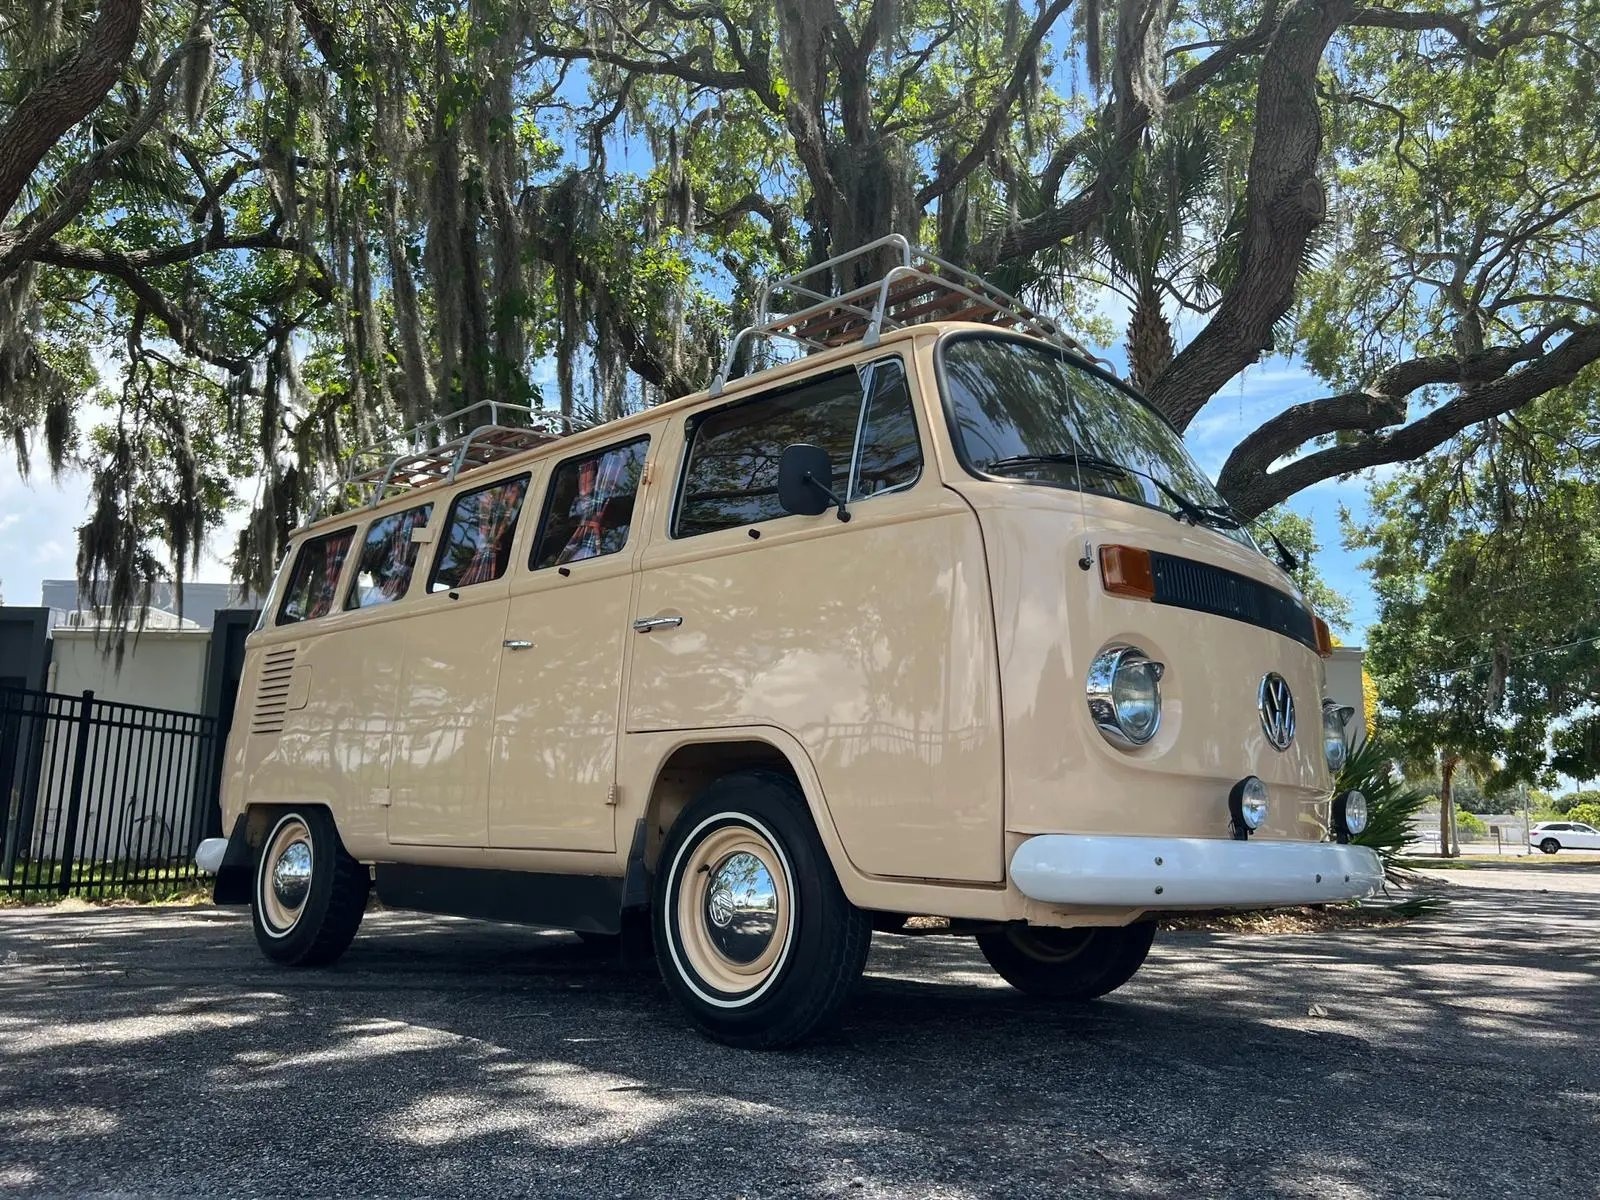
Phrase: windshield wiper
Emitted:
{"points": [[1215, 515], [1093, 461]]}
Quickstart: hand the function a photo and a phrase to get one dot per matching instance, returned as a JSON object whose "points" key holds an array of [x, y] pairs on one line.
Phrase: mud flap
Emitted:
{"points": [[238, 863]]}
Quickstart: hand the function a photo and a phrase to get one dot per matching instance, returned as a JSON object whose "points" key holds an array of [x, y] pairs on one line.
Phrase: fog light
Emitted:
{"points": [[1125, 695], [1247, 805], [1349, 815]]}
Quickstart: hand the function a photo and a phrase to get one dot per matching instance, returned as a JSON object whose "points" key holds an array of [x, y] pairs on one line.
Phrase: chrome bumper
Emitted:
{"points": [[208, 856], [1151, 872]]}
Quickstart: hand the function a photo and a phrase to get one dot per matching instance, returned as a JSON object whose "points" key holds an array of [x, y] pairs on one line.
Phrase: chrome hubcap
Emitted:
{"points": [[291, 875], [741, 908], [284, 885]]}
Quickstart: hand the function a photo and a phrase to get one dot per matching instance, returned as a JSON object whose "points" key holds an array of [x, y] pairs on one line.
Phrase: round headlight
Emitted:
{"points": [[1125, 695], [1349, 814], [1334, 748], [1248, 802]]}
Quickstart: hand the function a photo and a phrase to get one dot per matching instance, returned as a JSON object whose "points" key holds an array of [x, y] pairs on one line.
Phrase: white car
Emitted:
{"points": [[1551, 836]]}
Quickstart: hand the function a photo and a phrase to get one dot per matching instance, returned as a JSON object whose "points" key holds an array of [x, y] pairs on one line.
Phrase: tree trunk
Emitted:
{"points": [[1448, 846], [1149, 336], [65, 98]]}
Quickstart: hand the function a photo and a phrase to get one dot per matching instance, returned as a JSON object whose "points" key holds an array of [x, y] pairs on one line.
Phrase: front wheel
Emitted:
{"points": [[1549, 845], [1067, 964], [753, 934], [309, 894]]}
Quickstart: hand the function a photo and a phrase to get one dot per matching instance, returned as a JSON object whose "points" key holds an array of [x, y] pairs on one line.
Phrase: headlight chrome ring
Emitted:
{"points": [[1349, 815], [1124, 688]]}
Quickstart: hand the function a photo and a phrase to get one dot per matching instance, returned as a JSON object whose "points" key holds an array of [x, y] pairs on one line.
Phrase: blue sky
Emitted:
{"points": [[39, 519]]}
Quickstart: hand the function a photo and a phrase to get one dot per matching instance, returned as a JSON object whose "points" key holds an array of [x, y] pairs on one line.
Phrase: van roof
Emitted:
{"points": [[565, 444], [910, 293]]}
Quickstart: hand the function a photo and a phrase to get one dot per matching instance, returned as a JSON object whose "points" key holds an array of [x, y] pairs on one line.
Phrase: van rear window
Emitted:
{"points": [[861, 416], [388, 556], [476, 546], [316, 577]]}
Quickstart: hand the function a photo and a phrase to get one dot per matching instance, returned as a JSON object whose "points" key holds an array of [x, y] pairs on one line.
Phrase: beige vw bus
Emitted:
{"points": [[937, 619]]}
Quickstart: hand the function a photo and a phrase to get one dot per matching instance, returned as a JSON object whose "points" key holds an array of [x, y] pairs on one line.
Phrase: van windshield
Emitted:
{"points": [[1026, 412]]}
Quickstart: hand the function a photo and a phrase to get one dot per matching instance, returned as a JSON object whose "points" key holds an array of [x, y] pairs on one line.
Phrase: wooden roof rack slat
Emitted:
{"points": [[917, 286], [439, 450]]}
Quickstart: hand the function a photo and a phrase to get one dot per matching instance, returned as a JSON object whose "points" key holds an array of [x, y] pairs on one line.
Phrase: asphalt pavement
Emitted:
{"points": [[152, 1052]]}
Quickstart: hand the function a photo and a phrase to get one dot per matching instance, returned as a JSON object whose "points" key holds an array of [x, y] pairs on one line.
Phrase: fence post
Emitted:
{"points": [[80, 761]]}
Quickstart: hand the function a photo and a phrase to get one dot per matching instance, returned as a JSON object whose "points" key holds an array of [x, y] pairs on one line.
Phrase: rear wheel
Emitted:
{"points": [[753, 934], [1067, 964], [1549, 845], [309, 893]]}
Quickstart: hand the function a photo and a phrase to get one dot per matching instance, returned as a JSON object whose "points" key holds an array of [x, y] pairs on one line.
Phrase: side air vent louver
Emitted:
{"points": [[1184, 583], [272, 691]]}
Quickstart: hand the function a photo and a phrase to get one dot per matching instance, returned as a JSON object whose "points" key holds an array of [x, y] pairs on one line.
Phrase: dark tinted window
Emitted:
{"points": [[890, 456], [316, 577], [732, 474], [477, 537], [591, 505], [1013, 400], [388, 556]]}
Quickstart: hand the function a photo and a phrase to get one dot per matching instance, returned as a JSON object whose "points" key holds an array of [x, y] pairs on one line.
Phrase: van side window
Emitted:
{"points": [[590, 505], [889, 456], [316, 576], [388, 556], [732, 474], [476, 547]]}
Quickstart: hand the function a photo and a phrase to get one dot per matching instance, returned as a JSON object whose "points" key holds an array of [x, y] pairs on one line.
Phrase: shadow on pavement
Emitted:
{"points": [[153, 1051]]}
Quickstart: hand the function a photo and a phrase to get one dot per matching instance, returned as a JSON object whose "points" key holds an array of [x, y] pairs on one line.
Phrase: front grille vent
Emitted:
{"points": [[272, 691], [1185, 583]]}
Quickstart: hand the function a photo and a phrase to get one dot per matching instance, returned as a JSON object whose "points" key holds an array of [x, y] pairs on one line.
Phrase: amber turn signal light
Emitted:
{"points": [[1126, 571], [1324, 637]]}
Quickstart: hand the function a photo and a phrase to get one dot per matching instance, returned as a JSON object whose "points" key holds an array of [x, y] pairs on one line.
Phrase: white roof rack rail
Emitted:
{"points": [[918, 287], [427, 453]]}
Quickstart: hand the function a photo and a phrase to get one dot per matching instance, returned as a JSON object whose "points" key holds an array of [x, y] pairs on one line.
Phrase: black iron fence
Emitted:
{"points": [[101, 798]]}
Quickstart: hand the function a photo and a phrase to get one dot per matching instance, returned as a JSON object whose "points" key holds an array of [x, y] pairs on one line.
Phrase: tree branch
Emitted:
{"points": [[18, 245], [1000, 110], [48, 111], [1284, 202], [1252, 490]]}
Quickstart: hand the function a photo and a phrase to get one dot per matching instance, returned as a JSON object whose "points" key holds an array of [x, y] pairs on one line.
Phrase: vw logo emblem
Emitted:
{"points": [[720, 907], [1277, 710]]}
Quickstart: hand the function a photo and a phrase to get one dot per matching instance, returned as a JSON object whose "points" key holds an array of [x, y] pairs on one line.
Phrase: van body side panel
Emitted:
{"points": [[313, 722], [871, 642], [559, 711], [1053, 617], [439, 778]]}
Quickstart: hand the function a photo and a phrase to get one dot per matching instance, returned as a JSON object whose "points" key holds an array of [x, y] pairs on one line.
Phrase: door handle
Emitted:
{"points": [[516, 644], [646, 624]]}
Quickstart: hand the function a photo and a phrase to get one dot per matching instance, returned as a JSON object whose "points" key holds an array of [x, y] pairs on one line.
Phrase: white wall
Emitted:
{"points": [[164, 668], [1344, 686]]}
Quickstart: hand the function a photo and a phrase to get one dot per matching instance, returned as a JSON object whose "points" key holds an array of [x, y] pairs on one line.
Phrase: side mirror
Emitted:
{"points": [[422, 535], [805, 478]]}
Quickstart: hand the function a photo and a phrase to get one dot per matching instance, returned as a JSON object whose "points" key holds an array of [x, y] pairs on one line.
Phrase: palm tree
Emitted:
{"points": [[1144, 241]]}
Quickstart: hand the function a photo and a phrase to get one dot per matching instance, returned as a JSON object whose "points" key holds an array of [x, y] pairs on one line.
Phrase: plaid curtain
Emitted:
{"points": [[600, 481], [393, 570], [496, 516], [334, 548]]}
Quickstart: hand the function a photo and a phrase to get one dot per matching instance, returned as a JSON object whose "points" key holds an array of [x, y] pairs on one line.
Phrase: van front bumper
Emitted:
{"points": [[1153, 872]]}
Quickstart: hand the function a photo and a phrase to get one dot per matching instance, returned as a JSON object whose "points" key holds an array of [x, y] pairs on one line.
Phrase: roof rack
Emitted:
{"points": [[427, 453], [918, 288]]}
